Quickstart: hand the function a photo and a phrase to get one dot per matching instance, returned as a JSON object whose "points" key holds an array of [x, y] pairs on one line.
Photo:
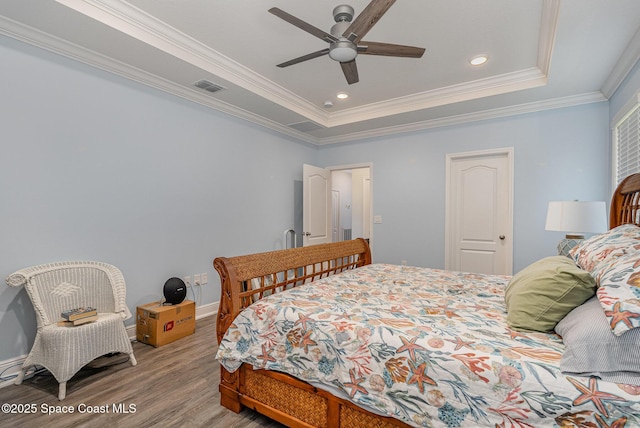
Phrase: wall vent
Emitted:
{"points": [[208, 86], [305, 126], [346, 234]]}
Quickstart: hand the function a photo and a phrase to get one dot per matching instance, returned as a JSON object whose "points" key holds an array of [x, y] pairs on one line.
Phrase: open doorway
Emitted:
{"points": [[333, 204], [351, 203]]}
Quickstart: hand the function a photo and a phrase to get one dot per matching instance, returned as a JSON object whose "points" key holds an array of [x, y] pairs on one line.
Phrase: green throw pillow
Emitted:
{"points": [[540, 295]]}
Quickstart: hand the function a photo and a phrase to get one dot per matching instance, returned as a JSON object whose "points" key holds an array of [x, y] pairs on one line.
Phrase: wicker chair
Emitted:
{"points": [[54, 288]]}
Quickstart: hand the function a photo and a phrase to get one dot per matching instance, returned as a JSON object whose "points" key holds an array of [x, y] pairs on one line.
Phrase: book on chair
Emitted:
{"points": [[79, 313], [84, 320]]}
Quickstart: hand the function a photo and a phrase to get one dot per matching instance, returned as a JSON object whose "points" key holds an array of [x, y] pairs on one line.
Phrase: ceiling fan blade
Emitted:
{"points": [[367, 19], [389, 49], [304, 58], [350, 71], [315, 31]]}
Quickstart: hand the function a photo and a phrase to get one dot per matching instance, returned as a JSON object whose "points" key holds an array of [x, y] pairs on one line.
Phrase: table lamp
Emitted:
{"points": [[575, 218]]}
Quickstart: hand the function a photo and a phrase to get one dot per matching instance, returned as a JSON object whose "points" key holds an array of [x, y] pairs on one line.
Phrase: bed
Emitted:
{"points": [[319, 336]]}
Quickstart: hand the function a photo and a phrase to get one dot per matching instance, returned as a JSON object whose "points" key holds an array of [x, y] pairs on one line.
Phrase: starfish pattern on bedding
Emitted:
{"points": [[302, 319], [343, 316], [591, 393], [410, 346], [447, 311], [306, 342], [461, 343], [265, 355], [418, 376], [618, 316], [355, 384]]}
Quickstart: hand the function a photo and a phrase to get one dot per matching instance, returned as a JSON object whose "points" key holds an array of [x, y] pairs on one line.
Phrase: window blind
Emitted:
{"points": [[628, 144]]}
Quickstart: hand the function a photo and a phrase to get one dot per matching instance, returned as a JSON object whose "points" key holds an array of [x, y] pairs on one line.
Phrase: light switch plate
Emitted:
{"points": [[377, 219]]}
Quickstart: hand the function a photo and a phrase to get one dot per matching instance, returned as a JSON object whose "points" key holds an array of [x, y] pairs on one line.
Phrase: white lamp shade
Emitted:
{"points": [[577, 216]]}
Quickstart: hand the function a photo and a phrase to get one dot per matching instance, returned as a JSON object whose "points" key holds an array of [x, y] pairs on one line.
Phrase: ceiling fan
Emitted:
{"points": [[345, 40]]}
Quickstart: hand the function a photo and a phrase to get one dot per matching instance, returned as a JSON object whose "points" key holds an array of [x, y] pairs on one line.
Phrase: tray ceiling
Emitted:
{"points": [[541, 54]]}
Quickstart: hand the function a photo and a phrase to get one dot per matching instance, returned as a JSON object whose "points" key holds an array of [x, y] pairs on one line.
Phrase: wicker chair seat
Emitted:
{"points": [[88, 341]]}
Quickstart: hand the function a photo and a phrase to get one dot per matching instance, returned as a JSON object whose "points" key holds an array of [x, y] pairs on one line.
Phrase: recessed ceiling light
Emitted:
{"points": [[478, 60], [342, 95]]}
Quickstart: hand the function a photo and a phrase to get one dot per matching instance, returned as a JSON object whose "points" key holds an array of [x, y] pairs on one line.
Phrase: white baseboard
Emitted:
{"points": [[9, 369]]}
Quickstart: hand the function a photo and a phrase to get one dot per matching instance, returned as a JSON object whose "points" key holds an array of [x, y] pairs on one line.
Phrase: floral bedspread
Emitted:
{"points": [[427, 346]]}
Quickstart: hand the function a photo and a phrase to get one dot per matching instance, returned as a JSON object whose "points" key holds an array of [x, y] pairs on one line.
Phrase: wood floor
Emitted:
{"points": [[175, 385]]}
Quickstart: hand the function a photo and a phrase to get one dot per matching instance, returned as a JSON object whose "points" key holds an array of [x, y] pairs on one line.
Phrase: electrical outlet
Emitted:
{"points": [[187, 280], [197, 280], [204, 278]]}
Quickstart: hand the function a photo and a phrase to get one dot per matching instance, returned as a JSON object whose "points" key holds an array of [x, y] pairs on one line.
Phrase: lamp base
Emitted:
{"points": [[567, 244]]}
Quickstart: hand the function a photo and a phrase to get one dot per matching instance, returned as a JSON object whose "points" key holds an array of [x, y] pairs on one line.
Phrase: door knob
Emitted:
{"points": [[501, 237]]}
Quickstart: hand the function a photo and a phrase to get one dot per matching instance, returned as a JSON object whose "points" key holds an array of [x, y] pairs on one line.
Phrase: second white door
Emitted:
{"points": [[479, 212]]}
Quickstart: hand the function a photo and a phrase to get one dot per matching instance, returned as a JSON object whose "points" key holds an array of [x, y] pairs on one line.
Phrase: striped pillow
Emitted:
{"points": [[592, 350]]}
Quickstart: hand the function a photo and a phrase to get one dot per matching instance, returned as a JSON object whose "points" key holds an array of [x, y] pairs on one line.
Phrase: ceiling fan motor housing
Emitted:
{"points": [[343, 50], [343, 12], [338, 29]]}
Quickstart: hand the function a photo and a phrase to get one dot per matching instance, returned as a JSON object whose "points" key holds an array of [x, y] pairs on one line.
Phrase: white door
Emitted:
{"points": [[479, 224], [316, 205]]}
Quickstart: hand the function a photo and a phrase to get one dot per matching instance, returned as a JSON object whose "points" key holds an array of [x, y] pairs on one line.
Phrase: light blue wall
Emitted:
{"points": [[99, 168], [559, 154]]}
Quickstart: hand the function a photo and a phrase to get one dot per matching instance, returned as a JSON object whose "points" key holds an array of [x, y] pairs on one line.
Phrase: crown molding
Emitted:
{"points": [[629, 58], [556, 103], [130, 20], [495, 85], [72, 51], [547, 36]]}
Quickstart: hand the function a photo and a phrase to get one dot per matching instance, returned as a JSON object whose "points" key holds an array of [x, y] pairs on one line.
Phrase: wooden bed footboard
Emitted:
{"points": [[246, 279]]}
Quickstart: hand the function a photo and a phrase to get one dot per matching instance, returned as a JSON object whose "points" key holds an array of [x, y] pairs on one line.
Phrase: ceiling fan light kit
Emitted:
{"points": [[343, 51], [345, 37]]}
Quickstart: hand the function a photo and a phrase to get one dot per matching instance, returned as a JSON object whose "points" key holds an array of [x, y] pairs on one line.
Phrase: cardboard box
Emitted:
{"points": [[159, 324]]}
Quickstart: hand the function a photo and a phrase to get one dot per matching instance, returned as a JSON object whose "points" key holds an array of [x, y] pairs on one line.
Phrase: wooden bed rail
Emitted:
{"points": [[246, 279]]}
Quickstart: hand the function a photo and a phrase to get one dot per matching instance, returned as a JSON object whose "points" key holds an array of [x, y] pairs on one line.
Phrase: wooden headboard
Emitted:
{"points": [[625, 202]]}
